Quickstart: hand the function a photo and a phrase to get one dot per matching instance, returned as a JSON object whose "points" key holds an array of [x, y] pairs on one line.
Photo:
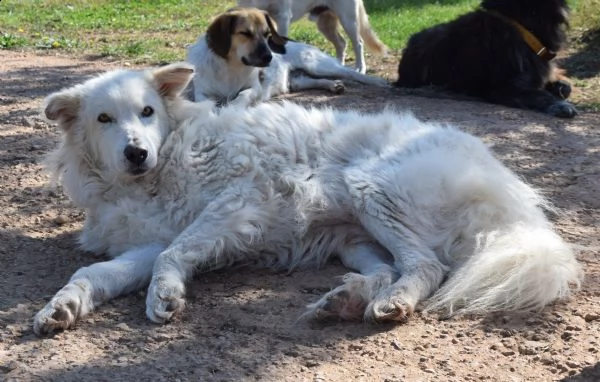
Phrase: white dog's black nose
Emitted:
{"points": [[135, 155]]}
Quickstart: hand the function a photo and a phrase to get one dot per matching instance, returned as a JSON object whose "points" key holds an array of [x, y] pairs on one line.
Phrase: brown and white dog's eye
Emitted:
{"points": [[148, 111], [247, 34], [104, 118]]}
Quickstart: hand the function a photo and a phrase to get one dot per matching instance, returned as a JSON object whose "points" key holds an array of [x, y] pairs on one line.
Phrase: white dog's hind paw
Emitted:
{"points": [[60, 313], [390, 309], [346, 302], [164, 299]]}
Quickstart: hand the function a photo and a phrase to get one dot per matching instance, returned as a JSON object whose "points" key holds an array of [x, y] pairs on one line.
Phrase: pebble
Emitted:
{"points": [[61, 219], [547, 360], [532, 347], [566, 336], [396, 344], [159, 337], [572, 364], [27, 122], [9, 366], [590, 317], [122, 326]]}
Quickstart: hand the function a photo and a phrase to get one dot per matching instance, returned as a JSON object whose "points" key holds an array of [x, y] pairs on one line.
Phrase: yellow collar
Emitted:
{"points": [[529, 38]]}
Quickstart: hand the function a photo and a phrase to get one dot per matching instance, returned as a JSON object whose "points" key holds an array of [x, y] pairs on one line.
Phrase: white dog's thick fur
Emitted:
{"points": [[403, 202], [301, 67], [350, 13]]}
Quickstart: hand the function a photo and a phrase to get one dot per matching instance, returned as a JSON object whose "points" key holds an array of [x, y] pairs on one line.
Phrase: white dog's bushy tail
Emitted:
{"points": [[371, 40], [518, 268], [508, 256]]}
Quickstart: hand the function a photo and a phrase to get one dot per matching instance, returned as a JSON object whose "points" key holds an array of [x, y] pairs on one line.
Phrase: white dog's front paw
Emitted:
{"points": [[68, 305], [165, 299]]}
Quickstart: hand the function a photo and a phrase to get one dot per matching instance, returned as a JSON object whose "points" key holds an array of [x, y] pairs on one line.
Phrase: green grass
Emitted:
{"points": [[157, 31]]}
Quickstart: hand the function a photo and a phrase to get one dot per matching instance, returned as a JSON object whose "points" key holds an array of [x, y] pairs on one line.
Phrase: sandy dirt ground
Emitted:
{"points": [[241, 325]]}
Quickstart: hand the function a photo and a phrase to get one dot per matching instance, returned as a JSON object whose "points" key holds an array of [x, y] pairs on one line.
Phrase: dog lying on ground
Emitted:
{"points": [[171, 186], [501, 52], [242, 57], [328, 14]]}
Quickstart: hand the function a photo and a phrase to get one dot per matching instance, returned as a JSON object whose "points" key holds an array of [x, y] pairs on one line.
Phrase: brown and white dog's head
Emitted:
{"points": [[246, 36]]}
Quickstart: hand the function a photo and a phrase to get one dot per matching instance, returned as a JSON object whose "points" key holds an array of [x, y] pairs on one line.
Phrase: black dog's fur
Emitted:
{"points": [[481, 54]]}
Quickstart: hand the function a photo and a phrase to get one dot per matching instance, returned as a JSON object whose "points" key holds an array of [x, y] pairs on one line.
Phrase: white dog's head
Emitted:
{"points": [[118, 121]]}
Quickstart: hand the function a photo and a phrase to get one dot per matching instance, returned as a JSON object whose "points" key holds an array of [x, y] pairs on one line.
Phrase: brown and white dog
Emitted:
{"points": [[328, 15], [243, 57]]}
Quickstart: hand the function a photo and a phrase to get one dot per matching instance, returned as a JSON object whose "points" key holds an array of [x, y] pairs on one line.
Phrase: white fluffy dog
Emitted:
{"points": [[170, 186]]}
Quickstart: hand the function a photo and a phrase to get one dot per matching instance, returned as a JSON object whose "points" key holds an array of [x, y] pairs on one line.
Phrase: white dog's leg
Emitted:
{"points": [[350, 25], [384, 217], [328, 24], [283, 17], [216, 238], [319, 64], [93, 285], [349, 300], [300, 82]]}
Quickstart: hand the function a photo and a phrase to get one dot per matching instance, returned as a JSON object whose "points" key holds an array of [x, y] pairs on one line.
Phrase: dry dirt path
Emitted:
{"points": [[241, 325]]}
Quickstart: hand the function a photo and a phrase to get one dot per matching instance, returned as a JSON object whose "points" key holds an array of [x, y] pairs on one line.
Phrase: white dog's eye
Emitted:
{"points": [[104, 118], [148, 111]]}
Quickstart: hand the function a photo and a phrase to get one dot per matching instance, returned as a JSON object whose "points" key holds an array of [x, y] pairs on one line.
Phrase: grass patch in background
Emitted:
{"points": [[583, 60], [157, 31]]}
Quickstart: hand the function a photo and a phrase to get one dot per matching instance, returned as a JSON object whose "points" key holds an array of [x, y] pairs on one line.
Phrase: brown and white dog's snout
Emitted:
{"points": [[260, 57]]}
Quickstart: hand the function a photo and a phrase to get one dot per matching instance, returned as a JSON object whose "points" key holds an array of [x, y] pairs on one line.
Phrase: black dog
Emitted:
{"points": [[500, 52]]}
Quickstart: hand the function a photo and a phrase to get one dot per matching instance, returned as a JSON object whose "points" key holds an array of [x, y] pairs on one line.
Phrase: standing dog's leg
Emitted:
{"points": [[349, 300], [93, 285], [283, 16], [352, 28], [328, 24]]}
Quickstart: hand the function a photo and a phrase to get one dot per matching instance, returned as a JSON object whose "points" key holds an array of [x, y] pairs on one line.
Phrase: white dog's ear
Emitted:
{"points": [[63, 107], [172, 79]]}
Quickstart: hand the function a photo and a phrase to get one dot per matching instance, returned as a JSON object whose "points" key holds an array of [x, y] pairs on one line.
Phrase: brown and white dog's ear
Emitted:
{"points": [[275, 41], [218, 34], [63, 107], [171, 80]]}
